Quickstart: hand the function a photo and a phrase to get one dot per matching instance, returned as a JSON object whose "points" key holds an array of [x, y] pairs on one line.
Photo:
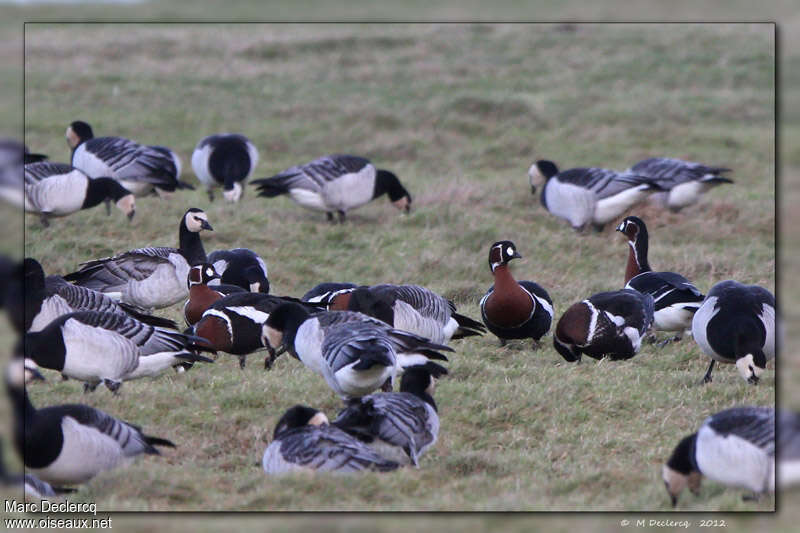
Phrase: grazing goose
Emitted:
{"points": [[48, 298], [303, 440], [676, 299], [242, 267], [788, 452], [149, 277], [355, 353], [325, 293], [140, 169], [399, 426], [608, 324], [684, 181], [335, 183], [176, 160], [224, 160], [735, 447], [13, 155], [588, 195], [57, 190], [411, 308], [70, 444], [234, 324], [736, 325], [511, 309], [109, 348], [201, 296]]}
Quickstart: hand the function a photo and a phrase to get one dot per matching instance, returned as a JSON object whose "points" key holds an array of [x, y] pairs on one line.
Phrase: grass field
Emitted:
{"points": [[458, 112]]}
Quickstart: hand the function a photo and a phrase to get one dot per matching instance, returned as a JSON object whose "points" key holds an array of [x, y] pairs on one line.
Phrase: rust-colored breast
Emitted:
{"points": [[200, 298], [573, 327], [509, 305], [340, 302], [215, 330], [632, 268]]}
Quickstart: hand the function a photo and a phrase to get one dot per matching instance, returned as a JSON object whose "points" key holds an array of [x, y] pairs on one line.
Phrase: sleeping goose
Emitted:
{"points": [[71, 444], [609, 324], [512, 309], [676, 299], [735, 447], [684, 181], [242, 267], [399, 426], [140, 169], [304, 441], [736, 325], [585, 196], [57, 190], [325, 293], [201, 296], [48, 298], [149, 277], [355, 353], [224, 160], [335, 183], [109, 348]]}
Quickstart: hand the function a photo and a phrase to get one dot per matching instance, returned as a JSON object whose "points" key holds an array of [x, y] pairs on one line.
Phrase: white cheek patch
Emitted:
{"points": [[273, 337], [318, 419], [747, 368]]}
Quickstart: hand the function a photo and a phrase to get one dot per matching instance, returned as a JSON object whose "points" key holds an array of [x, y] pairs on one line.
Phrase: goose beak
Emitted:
{"points": [[205, 225], [516, 255]]}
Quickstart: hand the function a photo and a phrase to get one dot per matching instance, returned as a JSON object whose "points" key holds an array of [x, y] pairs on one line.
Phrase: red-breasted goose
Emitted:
{"points": [[109, 348], [356, 354], [584, 196], [684, 181], [149, 277], [326, 292], [399, 426], [676, 299], [735, 447], [512, 309], [224, 160], [71, 444], [242, 267], [607, 324], [303, 440], [335, 183], [736, 325], [201, 296], [57, 190]]}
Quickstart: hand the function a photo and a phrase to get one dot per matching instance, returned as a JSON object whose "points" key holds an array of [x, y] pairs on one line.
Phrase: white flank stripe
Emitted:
{"points": [[259, 317], [592, 321], [223, 316]]}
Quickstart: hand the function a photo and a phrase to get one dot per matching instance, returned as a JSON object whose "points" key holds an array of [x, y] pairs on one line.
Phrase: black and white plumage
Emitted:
{"points": [[335, 183], [224, 160], [324, 293], [511, 309], [109, 348], [736, 325], [201, 296], [49, 298], [13, 155], [71, 444], [355, 353], [303, 440], [58, 189], [584, 196], [609, 324], [676, 298], [414, 309], [149, 277], [684, 181], [32, 486], [242, 267], [176, 160], [400, 426], [735, 447], [139, 168]]}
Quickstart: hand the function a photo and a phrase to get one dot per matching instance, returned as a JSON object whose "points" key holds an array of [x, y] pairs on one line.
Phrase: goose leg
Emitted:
{"points": [[210, 195], [90, 387], [329, 216], [107, 201], [707, 377], [44, 219], [112, 385], [341, 216], [241, 362], [536, 345]]}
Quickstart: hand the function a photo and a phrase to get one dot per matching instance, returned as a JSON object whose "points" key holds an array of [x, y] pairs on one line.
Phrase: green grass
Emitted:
{"points": [[458, 113]]}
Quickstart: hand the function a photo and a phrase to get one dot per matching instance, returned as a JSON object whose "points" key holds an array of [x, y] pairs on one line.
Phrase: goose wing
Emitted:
{"points": [[108, 272], [313, 176], [131, 161], [671, 172], [36, 172], [328, 449], [602, 182], [753, 424]]}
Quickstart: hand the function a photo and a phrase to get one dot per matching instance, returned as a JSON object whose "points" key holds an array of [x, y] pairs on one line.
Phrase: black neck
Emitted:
{"points": [[418, 390], [640, 250], [47, 347], [683, 459], [24, 413], [100, 189], [387, 183], [35, 293], [191, 246]]}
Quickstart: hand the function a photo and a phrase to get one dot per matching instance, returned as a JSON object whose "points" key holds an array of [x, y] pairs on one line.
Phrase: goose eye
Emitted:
{"points": [[510, 251], [209, 273]]}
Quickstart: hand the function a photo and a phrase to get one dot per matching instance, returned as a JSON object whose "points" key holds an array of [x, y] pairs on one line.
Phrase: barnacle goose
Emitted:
{"points": [[153, 276], [512, 309], [355, 353], [684, 181], [70, 444], [224, 160], [57, 190], [588, 195], [138, 168], [13, 155], [303, 440], [201, 296], [735, 447], [48, 298], [176, 160], [242, 267], [399, 426], [676, 299], [33, 487], [335, 183], [109, 348], [608, 324], [736, 325], [410, 308]]}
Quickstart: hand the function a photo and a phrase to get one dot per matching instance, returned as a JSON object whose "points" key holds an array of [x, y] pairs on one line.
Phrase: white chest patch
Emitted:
{"points": [[610, 208], [701, 319], [308, 344], [570, 202], [351, 190], [734, 461]]}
